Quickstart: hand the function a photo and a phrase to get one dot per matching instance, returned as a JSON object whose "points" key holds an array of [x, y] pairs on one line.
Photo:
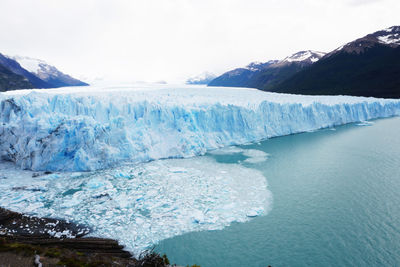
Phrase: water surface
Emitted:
{"points": [[336, 202]]}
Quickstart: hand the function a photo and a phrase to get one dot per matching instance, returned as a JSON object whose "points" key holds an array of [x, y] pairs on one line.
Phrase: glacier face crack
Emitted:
{"points": [[61, 130]]}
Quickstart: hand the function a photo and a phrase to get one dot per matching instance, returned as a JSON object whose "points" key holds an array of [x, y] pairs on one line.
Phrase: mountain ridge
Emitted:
{"points": [[16, 73], [16, 68], [367, 66], [258, 74], [47, 72]]}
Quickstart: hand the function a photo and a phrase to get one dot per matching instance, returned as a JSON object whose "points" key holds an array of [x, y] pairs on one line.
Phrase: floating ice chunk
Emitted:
{"points": [[227, 150], [255, 156], [163, 199], [255, 212], [255, 160], [365, 123]]}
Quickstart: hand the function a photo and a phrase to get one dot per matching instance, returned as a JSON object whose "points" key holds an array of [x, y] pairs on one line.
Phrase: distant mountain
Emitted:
{"points": [[284, 69], [23, 72], [47, 73], [11, 81], [16, 68], [203, 78], [369, 66], [268, 74], [241, 77]]}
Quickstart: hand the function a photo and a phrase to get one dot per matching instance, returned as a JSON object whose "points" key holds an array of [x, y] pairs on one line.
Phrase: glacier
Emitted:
{"points": [[85, 129]]}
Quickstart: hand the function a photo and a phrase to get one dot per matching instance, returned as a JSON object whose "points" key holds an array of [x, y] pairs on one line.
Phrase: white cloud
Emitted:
{"points": [[170, 40]]}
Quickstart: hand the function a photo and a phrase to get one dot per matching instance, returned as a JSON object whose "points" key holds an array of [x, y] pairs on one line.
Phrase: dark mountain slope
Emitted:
{"points": [[273, 76], [16, 68], [241, 77], [369, 66], [11, 81], [266, 75], [375, 72]]}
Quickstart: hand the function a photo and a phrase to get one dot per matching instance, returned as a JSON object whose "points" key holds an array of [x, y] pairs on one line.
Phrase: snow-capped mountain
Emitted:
{"points": [[389, 37], [14, 67], [24, 72], [368, 66], [47, 73], [203, 78], [261, 75]]}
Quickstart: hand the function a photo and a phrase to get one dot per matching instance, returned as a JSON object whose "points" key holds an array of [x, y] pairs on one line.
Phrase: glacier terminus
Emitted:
{"points": [[92, 128]]}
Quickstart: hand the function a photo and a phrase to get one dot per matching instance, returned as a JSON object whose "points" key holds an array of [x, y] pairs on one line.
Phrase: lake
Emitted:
{"points": [[336, 202]]}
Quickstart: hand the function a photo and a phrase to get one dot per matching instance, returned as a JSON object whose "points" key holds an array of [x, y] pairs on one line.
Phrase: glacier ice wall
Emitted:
{"points": [[65, 129]]}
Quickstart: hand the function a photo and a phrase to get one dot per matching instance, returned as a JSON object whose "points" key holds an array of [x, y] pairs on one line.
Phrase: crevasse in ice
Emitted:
{"points": [[74, 130]]}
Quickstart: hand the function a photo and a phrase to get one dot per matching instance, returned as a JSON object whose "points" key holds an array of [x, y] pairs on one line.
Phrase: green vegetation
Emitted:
{"points": [[73, 258], [165, 258], [53, 253], [24, 249]]}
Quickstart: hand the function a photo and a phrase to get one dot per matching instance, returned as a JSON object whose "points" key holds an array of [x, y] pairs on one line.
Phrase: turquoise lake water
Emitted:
{"points": [[336, 202]]}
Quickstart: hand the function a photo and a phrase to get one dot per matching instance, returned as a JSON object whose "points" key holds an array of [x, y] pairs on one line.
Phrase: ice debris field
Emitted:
{"points": [[142, 204], [68, 129], [105, 145]]}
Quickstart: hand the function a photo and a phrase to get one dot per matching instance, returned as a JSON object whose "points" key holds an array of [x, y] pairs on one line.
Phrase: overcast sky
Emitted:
{"points": [[169, 40]]}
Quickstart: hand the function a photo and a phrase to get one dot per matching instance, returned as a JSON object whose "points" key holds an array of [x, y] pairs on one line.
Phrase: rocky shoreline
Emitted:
{"points": [[32, 241]]}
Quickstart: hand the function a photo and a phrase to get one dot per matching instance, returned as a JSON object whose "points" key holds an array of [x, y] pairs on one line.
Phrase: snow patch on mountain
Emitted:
{"points": [[38, 67], [31, 64], [302, 56], [389, 36], [258, 66], [390, 39]]}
